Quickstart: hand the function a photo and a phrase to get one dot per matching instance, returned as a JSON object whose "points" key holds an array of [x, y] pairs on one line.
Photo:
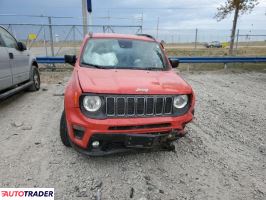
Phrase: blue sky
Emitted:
{"points": [[177, 23], [177, 14]]}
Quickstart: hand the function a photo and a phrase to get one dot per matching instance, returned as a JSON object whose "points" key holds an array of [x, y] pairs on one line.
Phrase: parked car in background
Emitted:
{"points": [[123, 95], [213, 44], [18, 68]]}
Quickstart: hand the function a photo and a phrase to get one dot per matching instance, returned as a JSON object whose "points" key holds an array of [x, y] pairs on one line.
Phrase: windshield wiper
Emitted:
{"points": [[137, 68], [153, 68], [140, 68], [96, 66], [133, 68]]}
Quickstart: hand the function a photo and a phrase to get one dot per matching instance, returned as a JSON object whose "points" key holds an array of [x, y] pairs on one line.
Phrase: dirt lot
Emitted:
{"points": [[222, 157]]}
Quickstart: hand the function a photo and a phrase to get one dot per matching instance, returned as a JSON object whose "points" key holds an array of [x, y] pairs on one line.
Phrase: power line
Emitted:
{"points": [[18, 15], [154, 8], [103, 17]]}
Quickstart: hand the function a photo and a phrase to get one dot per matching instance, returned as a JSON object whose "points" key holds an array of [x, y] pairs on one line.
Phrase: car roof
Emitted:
{"points": [[120, 36]]}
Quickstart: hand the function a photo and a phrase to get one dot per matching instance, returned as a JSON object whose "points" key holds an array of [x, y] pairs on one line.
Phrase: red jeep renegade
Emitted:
{"points": [[123, 95]]}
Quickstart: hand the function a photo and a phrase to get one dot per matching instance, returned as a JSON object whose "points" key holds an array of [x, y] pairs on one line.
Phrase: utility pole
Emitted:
{"points": [[51, 35], [141, 22], [84, 17], [74, 40], [108, 18], [237, 40], [196, 38], [157, 30], [44, 42], [90, 22]]}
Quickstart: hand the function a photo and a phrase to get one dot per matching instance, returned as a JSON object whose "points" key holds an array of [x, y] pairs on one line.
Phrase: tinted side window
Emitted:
{"points": [[7, 39], [2, 44]]}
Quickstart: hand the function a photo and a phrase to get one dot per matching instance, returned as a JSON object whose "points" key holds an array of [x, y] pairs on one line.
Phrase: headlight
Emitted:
{"points": [[92, 103], [180, 101]]}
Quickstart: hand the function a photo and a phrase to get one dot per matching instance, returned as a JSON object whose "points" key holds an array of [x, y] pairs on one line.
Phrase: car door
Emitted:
{"points": [[19, 59], [5, 66]]}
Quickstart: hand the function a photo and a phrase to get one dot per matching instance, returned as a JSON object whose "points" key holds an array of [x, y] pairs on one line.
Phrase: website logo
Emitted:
{"points": [[26, 193]]}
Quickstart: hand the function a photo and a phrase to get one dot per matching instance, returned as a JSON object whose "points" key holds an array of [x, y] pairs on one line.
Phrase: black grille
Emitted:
{"points": [[150, 106], [139, 126], [134, 106], [140, 106], [168, 105], [159, 106], [121, 106], [110, 104], [130, 106]]}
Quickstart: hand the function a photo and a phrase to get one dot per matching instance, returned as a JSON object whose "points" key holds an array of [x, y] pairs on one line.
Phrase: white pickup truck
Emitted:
{"points": [[18, 68]]}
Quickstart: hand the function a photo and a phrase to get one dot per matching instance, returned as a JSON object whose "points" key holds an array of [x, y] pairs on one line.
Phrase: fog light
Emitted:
{"points": [[78, 132], [95, 144]]}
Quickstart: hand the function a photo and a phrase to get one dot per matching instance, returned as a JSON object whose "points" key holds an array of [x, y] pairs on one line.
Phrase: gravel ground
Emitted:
{"points": [[222, 157]]}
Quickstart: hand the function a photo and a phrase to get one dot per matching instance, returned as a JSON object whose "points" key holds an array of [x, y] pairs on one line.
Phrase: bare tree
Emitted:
{"points": [[238, 7]]}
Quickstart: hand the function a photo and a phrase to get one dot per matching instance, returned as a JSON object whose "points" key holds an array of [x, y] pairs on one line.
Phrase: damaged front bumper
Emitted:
{"points": [[117, 143]]}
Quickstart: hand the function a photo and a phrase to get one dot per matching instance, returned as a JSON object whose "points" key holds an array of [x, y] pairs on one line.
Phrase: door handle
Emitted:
{"points": [[11, 55]]}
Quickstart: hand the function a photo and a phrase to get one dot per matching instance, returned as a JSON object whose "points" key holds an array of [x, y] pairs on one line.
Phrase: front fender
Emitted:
{"points": [[32, 63]]}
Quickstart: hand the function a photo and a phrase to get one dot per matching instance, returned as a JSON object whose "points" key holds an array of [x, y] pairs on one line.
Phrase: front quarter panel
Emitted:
{"points": [[72, 91], [31, 63]]}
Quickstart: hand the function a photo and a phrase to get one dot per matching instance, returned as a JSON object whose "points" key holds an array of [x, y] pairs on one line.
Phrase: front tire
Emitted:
{"points": [[35, 78], [63, 130]]}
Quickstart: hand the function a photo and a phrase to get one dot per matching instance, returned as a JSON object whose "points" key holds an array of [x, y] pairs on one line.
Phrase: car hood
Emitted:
{"points": [[124, 81]]}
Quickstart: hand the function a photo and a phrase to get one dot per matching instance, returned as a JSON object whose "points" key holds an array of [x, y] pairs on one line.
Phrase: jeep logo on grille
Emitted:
{"points": [[142, 90]]}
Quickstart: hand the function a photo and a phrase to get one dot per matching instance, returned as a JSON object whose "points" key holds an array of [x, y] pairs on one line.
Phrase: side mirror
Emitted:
{"points": [[174, 62], [21, 46], [70, 59]]}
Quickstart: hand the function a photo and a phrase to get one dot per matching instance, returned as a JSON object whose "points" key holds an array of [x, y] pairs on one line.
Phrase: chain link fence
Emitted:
{"points": [[57, 40]]}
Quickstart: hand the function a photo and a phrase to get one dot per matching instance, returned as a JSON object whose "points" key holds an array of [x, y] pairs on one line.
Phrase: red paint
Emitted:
{"points": [[119, 81]]}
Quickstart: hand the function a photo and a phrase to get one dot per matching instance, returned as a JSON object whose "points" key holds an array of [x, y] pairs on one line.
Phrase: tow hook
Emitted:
{"points": [[182, 133], [176, 134], [168, 143], [173, 136], [168, 146]]}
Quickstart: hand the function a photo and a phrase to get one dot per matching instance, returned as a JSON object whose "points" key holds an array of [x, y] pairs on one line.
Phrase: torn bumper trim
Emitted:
{"points": [[117, 143]]}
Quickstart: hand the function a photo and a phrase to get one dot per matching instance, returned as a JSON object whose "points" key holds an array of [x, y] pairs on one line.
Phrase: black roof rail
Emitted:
{"points": [[145, 35], [90, 34]]}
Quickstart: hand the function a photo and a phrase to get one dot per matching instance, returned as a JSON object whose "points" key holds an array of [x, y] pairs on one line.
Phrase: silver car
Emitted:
{"points": [[18, 69], [213, 44]]}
